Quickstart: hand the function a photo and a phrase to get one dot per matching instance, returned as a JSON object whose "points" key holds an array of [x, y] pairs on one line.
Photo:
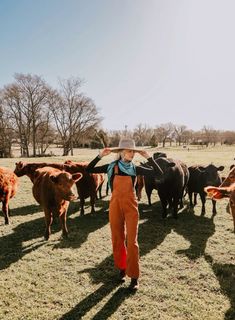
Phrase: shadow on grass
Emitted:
{"points": [[24, 211], [80, 227], [225, 274], [151, 234], [11, 248], [195, 229], [104, 273]]}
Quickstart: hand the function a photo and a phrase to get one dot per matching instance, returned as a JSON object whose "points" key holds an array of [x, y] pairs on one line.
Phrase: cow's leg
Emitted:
{"points": [[195, 199], [175, 207], [92, 204], [149, 192], [48, 221], [63, 222], [5, 210], [190, 195], [203, 199], [107, 189], [100, 190], [214, 207], [232, 206], [82, 203], [164, 206], [181, 203]]}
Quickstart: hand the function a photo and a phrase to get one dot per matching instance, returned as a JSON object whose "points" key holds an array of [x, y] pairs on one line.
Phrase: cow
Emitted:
{"points": [[89, 186], [200, 177], [170, 186], [29, 169], [52, 189], [148, 181], [230, 178], [8, 189], [217, 193]]}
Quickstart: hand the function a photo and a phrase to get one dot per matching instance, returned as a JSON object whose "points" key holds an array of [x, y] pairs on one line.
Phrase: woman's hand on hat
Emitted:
{"points": [[104, 152], [144, 154]]}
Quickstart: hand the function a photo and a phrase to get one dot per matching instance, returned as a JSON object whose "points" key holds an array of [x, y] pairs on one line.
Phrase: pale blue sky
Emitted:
{"points": [[143, 61]]}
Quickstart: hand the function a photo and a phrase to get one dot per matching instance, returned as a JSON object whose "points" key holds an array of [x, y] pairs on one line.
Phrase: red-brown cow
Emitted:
{"points": [[52, 190], [217, 193], [230, 178], [88, 186], [139, 186], [28, 169], [8, 188]]}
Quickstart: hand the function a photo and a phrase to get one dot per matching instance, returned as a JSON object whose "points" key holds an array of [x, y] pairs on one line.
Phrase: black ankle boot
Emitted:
{"points": [[134, 285], [122, 275]]}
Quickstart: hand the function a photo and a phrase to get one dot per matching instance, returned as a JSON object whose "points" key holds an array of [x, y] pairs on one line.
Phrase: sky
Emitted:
{"points": [[146, 62]]}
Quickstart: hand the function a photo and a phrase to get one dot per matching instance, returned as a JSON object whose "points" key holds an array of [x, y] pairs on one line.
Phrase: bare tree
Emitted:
{"points": [[6, 133], [25, 101], [142, 135], [74, 114], [164, 132], [208, 134], [179, 131]]}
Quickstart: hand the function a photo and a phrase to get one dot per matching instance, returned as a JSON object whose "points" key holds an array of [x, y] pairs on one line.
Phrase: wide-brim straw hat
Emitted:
{"points": [[126, 144]]}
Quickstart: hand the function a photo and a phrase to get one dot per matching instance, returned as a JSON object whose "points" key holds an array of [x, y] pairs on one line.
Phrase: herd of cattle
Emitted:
{"points": [[54, 183]]}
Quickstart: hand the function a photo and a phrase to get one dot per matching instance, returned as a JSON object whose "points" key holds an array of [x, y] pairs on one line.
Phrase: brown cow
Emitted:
{"points": [[139, 186], [217, 193], [52, 190], [8, 188], [28, 169], [88, 186], [230, 178]]}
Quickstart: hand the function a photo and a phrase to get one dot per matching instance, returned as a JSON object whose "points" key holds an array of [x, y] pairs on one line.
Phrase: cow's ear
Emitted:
{"points": [[171, 164], [77, 176], [220, 168], [54, 179], [19, 164]]}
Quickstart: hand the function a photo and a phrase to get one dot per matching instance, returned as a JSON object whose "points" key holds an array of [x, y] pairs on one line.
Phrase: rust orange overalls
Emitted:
{"points": [[123, 217]]}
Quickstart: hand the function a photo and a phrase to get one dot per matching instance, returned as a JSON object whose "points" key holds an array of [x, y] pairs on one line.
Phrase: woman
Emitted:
{"points": [[123, 208]]}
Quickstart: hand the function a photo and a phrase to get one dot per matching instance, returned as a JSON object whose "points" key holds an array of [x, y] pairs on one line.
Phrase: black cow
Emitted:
{"points": [[148, 181], [171, 186], [199, 178]]}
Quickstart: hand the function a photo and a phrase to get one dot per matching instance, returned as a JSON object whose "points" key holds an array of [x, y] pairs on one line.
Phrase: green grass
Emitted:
{"points": [[187, 266]]}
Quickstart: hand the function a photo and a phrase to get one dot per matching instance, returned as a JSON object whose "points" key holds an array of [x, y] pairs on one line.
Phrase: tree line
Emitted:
{"points": [[34, 116]]}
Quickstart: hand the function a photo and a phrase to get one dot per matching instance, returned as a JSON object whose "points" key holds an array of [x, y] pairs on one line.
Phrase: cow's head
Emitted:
{"points": [[210, 174], [230, 178], [20, 169], [157, 155], [64, 183]]}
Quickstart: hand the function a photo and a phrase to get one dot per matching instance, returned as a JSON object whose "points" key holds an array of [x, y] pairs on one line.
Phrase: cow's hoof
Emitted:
{"points": [[46, 237], [7, 222]]}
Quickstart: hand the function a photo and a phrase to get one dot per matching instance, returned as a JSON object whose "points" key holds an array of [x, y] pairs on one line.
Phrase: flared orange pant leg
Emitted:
{"points": [[123, 217]]}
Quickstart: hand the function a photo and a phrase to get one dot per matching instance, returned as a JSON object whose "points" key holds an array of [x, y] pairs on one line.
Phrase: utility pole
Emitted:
{"points": [[125, 132]]}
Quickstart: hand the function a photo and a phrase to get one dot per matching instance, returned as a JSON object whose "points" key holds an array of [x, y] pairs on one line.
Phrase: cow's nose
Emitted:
{"points": [[74, 193]]}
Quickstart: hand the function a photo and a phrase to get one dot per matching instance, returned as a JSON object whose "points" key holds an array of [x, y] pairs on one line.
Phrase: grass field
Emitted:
{"points": [[187, 266]]}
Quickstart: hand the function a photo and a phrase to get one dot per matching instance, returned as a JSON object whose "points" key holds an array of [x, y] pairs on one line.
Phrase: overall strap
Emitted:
{"points": [[115, 169]]}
